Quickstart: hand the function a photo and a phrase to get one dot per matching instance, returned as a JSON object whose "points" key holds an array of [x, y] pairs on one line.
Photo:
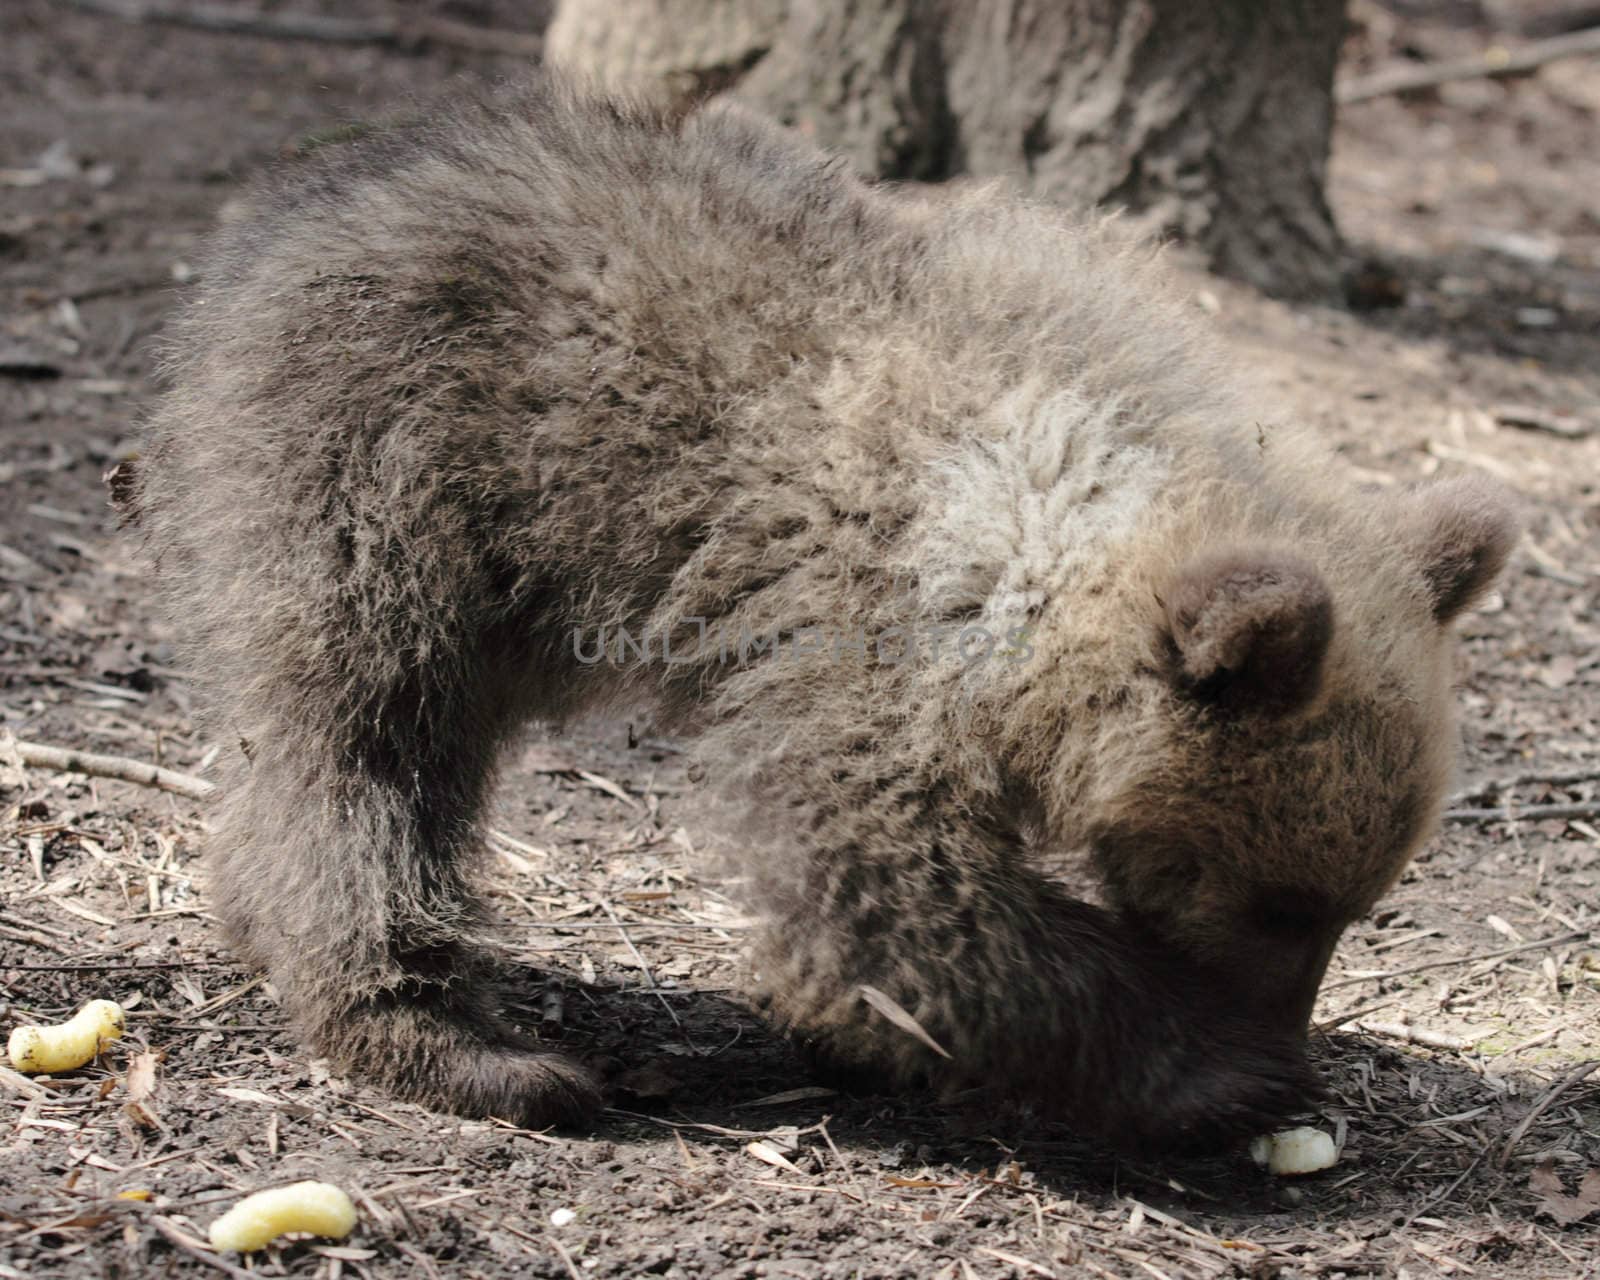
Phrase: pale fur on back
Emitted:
{"points": [[549, 365]]}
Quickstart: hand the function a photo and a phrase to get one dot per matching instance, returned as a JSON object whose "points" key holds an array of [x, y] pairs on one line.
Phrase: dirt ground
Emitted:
{"points": [[1457, 1022]]}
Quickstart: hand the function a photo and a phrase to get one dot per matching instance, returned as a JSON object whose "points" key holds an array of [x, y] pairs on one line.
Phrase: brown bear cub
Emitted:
{"points": [[934, 523]]}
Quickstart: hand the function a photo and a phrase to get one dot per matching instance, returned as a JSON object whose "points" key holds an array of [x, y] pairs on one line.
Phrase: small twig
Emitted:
{"points": [[644, 968], [206, 17], [1492, 63], [1026, 1265], [1353, 1015], [20, 1084], [120, 968], [218, 1003], [566, 1258], [1495, 786], [671, 926], [517, 846], [1433, 1202], [400, 33], [33, 939], [1553, 19], [1426, 965], [38, 756], [180, 1240], [1579, 1073], [1531, 418], [1404, 940], [605, 784], [1544, 1037], [1528, 813], [1417, 1035]]}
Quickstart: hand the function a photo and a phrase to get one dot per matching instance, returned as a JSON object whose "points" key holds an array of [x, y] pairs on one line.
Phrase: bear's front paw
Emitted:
{"points": [[1208, 1101], [434, 1052], [827, 1064]]}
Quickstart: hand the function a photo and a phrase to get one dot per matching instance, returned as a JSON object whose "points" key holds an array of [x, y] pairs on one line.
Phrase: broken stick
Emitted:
{"points": [[1490, 64], [38, 756]]}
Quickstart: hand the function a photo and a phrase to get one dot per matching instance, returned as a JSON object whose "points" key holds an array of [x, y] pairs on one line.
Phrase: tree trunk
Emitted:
{"points": [[685, 48], [1206, 121]]}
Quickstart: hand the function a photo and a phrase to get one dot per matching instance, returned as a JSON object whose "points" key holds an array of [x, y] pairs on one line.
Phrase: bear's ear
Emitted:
{"points": [[1464, 531], [1250, 629]]}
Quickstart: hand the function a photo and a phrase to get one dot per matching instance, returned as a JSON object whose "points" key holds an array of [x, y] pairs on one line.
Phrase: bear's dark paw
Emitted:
{"points": [[529, 1088], [1210, 1103], [826, 1064], [442, 1056]]}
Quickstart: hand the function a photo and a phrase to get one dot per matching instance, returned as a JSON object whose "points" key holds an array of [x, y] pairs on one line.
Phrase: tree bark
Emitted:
{"points": [[684, 48], [1209, 122]]}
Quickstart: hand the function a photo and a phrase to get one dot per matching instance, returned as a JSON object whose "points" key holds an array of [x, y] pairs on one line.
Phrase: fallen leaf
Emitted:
{"points": [[142, 1114], [1503, 927], [1545, 1183], [249, 1095], [600, 783], [805, 1093], [140, 1082], [769, 1154], [1558, 672], [889, 1009]]}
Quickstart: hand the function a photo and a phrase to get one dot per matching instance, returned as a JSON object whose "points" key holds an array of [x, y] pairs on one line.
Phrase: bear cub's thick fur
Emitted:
{"points": [[932, 520]]}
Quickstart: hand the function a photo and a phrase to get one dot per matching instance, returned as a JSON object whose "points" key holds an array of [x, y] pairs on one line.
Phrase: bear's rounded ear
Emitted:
{"points": [[1464, 531], [1250, 629]]}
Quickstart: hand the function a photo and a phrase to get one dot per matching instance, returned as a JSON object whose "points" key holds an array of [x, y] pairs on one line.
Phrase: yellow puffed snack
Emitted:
{"points": [[1295, 1151], [317, 1208], [69, 1045]]}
